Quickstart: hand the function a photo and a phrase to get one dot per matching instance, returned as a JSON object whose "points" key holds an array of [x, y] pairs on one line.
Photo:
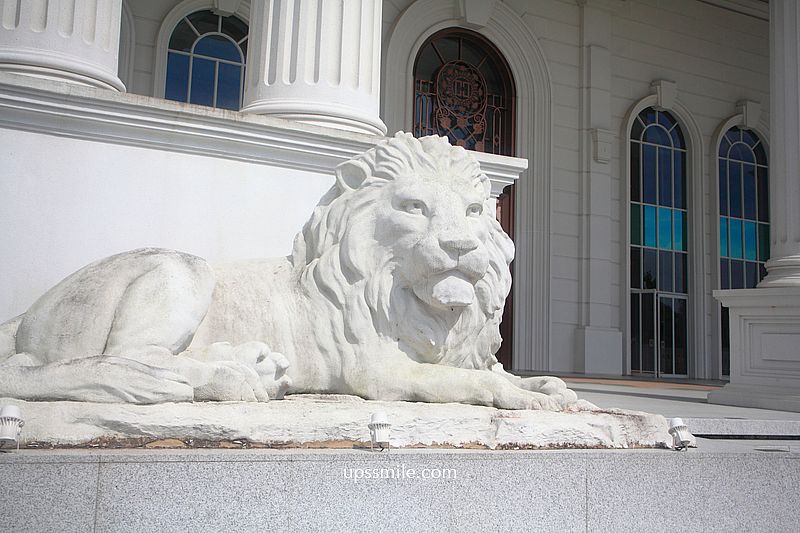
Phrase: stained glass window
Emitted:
{"points": [[743, 217], [658, 245], [463, 89], [206, 60]]}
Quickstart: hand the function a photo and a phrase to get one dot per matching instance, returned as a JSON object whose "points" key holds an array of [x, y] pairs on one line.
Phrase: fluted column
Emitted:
{"points": [[316, 61], [68, 40], [784, 24]]}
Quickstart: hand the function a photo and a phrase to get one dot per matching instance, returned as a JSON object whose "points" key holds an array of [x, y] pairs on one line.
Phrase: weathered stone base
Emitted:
{"points": [[317, 421]]}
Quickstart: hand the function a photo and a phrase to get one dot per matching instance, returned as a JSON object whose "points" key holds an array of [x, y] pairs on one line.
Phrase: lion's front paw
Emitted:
{"points": [[509, 396], [270, 366], [552, 387]]}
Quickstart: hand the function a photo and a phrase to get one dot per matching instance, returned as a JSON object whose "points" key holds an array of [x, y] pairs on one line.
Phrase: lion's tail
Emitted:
{"points": [[8, 337]]}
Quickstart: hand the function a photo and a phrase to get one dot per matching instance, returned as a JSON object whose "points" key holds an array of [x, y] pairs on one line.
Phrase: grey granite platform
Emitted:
{"points": [[718, 487]]}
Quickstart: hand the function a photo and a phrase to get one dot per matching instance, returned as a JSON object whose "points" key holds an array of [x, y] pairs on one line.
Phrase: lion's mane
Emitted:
{"points": [[339, 262]]}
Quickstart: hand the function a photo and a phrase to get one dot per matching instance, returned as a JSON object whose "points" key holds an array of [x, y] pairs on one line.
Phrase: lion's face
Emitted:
{"points": [[405, 249], [436, 233]]}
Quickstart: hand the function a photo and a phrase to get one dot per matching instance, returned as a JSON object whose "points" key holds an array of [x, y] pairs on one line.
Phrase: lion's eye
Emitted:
{"points": [[475, 210], [414, 207]]}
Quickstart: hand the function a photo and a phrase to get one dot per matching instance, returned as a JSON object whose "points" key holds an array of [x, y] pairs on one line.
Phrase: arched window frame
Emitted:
{"points": [[741, 120], [507, 113], [183, 9], [699, 297]]}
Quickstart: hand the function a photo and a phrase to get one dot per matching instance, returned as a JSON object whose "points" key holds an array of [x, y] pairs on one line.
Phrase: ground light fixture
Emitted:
{"points": [[379, 429], [11, 423], [682, 439]]}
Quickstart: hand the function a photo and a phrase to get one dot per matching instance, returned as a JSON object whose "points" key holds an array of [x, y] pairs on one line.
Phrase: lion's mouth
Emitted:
{"points": [[447, 289]]}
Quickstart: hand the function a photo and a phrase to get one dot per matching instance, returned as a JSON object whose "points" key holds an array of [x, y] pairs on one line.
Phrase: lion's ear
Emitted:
{"points": [[351, 174]]}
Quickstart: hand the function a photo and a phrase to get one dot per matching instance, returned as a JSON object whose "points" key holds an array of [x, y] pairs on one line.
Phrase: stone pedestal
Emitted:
{"points": [[316, 61], [69, 40], [765, 322], [765, 349]]}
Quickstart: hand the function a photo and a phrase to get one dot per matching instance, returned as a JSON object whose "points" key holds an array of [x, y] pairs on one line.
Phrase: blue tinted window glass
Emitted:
{"points": [[636, 224], [183, 37], [648, 116], [677, 137], [666, 120], [665, 271], [750, 241], [723, 237], [229, 86], [735, 189], [734, 135], [177, 87], [735, 239], [724, 275], [664, 228], [724, 146], [202, 81], [678, 236], [749, 138], [665, 176], [763, 242], [649, 268], [749, 180], [657, 135], [637, 129], [741, 152], [679, 175], [649, 174], [737, 274], [761, 156], [763, 194], [636, 267], [219, 47], [680, 273], [723, 187], [650, 226], [750, 275], [636, 176]]}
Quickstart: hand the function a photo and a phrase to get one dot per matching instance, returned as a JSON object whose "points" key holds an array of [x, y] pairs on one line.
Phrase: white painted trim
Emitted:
{"points": [[506, 30], [714, 366], [127, 46], [698, 294], [187, 7], [56, 108]]}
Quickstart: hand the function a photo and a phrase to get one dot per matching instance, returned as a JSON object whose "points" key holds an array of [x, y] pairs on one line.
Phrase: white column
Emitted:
{"points": [[765, 321], [316, 61], [69, 40], [784, 266]]}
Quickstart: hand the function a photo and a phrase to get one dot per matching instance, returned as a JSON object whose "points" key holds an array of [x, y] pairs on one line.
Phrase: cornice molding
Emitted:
{"points": [[56, 108]]}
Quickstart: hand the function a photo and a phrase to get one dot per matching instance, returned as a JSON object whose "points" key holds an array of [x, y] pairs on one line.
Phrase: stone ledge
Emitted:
{"points": [[321, 421]]}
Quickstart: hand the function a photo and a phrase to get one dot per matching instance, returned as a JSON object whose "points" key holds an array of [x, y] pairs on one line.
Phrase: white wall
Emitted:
{"points": [[67, 202]]}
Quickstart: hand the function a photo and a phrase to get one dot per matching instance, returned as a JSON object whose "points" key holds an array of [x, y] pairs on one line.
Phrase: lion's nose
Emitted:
{"points": [[458, 244]]}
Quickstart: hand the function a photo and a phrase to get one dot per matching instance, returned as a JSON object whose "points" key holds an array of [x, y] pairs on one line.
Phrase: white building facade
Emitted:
{"points": [[653, 147]]}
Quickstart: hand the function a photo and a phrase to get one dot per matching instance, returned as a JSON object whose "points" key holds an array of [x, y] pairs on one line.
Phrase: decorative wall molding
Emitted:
{"points": [[475, 14], [665, 91], [602, 140], [54, 108], [506, 30]]}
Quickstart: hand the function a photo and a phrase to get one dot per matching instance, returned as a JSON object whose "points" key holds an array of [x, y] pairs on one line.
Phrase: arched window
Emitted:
{"points": [[743, 218], [658, 245], [463, 89], [206, 60]]}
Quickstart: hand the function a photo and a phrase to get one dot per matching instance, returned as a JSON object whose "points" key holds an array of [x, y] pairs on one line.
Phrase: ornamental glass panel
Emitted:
{"points": [[658, 244], [206, 60], [464, 90], [744, 218]]}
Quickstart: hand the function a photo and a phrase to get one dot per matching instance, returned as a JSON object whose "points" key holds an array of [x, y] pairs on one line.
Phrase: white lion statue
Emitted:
{"points": [[394, 291]]}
